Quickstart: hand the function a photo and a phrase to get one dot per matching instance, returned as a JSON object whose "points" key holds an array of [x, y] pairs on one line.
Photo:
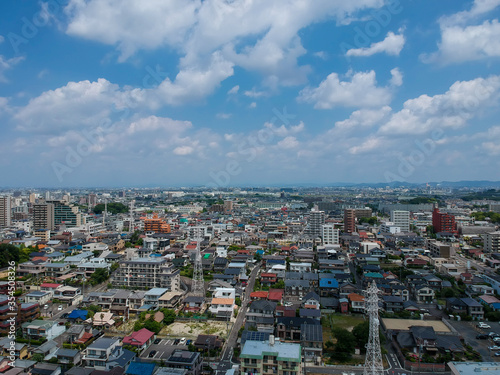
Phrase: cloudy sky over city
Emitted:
{"points": [[248, 92]]}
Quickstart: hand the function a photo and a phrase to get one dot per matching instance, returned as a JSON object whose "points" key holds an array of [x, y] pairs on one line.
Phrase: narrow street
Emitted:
{"points": [[227, 352]]}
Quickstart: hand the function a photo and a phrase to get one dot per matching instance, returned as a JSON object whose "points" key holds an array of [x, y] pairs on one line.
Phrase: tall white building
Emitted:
{"points": [[5, 212], [330, 234], [401, 219]]}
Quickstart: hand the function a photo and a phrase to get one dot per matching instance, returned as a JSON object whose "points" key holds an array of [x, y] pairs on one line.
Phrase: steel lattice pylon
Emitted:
{"points": [[198, 287], [373, 360]]}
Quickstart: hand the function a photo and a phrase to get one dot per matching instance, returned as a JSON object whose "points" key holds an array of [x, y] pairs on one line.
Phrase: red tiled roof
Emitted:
{"points": [[275, 294], [259, 294], [355, 297], [139, 337]]}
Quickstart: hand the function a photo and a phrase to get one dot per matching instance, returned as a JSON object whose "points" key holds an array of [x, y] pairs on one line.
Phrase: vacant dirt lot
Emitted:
{"points": [[405, 324], [193, 329]]}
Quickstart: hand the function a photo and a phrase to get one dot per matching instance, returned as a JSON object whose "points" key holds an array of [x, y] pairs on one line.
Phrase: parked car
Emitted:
{"points": [[494, 347], [493, 334], [152, 353], [157, 341], [496, 340], [482, 337], [59, 308], [188, 342], [183, 341], [484, 326], [497, 354], [176, 341]]}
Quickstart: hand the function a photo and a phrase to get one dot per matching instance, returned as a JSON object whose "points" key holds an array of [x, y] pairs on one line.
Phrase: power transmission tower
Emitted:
{"points": [[373, 360], [198, 287]]}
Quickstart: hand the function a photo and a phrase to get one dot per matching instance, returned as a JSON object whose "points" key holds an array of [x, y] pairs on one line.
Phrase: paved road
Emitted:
{"points": [[227, 352]]}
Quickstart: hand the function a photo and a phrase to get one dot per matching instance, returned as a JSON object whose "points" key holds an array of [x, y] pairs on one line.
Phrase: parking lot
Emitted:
{"points": [[470, 330], [163, 349]]}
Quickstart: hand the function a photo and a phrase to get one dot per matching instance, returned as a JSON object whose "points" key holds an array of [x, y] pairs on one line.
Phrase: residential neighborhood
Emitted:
{"points": [[265, 281]]}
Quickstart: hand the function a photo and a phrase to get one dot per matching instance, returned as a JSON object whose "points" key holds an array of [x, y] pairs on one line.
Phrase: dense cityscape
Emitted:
{"points": [[251, 280]]}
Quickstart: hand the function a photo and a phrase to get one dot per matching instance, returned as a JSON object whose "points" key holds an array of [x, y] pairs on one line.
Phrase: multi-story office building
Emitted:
{"points": [[495, 207], [329, 234], [271, 357], [349, 220], [316, 220], [147, 273], [492, 242], [401, 219], [443, 222], [439, 249], [66, 214], [363, 212], [5, 211]]}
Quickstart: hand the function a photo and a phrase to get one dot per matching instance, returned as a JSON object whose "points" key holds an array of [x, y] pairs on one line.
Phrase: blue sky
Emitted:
{"points": [[239, 92]]}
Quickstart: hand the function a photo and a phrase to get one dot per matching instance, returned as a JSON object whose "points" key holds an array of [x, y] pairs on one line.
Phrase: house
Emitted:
{"points": [[140, 339], [424, 294], [310, 313], [260, 294], [289, 328], [102, 319], [328, 287], [312, 341], [20, 349], [152, 296], [47, 349], [347, 288], [207, 342], [39, 297], [42, 329], [298, 288], [77, 316], [311, 301], [261, 309], [183, 359], [193, 303], [105, 354], [141, 368], [222, 307], [276, 295], [393, 303], [357, 302], [268, 279], [474, 308], [68, 356]]}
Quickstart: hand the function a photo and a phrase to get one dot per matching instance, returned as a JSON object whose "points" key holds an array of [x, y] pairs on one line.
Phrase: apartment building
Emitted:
{"points": [[5, 211], [330, 234], [492, 242], [401, 219], [147, 273], [271, 357]]}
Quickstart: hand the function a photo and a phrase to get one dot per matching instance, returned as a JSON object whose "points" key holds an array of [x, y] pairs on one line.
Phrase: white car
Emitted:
{"points": [[484, 326], [60, 308], [183, 341], [494, 347]]}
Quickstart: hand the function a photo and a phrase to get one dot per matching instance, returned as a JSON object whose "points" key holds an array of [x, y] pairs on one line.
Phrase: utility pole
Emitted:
{"points": [[373, 360]]}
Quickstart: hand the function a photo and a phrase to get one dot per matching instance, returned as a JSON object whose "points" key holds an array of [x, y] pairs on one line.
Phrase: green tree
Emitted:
{"points": [[169, 316], [99, 276], [346, 343], [152, 326], [237, 301], [9, 253], [361, 333], [113, 207]]}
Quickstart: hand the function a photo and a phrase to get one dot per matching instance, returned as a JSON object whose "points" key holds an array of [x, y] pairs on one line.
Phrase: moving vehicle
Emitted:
{"points": [[483, 325]]}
